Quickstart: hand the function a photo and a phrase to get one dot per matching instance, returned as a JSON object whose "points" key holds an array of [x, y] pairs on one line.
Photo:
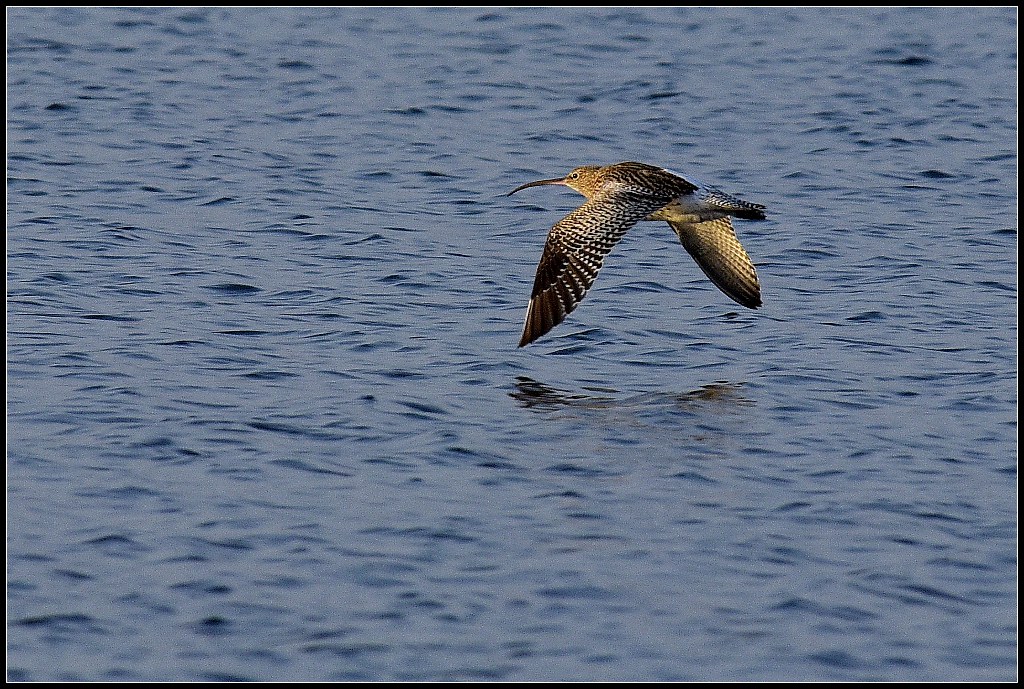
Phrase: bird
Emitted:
{"points": [[619, 196]]}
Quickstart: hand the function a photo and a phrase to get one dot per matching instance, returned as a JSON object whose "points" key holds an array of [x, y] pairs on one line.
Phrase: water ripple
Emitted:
{"points": [[267, 420]]}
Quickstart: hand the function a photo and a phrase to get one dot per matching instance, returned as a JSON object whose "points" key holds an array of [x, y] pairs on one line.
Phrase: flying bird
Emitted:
{"points": [[618, 197]]}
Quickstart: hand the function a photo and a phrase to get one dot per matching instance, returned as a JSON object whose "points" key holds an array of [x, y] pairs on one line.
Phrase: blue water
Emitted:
{"points": [[266, 416]]}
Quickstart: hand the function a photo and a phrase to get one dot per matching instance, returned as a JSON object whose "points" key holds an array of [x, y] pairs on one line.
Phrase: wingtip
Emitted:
{"points": [[747, 299], [528, 336], [755, 297]]}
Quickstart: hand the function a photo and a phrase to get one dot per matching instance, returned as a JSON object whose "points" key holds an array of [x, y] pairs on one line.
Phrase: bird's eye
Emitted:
{"points": [[574, 175]]}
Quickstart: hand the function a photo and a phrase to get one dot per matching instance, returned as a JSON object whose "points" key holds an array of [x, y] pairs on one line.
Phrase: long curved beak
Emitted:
{"points": [[558, 180]]}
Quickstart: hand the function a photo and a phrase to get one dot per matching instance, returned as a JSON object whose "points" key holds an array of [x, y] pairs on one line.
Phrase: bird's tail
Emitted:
{"points": [[737, 208]]}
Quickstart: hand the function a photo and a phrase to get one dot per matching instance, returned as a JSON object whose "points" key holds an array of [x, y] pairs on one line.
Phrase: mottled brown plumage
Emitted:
{"points": [[619, 196]]}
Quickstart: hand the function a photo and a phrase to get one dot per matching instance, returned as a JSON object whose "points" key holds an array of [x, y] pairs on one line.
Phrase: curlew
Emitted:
{"points": [[618, 197]]}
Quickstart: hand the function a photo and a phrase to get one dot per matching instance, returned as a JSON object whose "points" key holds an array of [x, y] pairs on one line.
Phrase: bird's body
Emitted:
{"points": [[618, 197]]}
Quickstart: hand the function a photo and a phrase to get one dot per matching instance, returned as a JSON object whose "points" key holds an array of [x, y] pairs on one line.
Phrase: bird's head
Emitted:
{"points": [[584, 179]]}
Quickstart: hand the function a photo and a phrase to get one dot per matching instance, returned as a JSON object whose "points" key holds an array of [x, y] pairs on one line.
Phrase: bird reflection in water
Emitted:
{"points": [[533, 394]]}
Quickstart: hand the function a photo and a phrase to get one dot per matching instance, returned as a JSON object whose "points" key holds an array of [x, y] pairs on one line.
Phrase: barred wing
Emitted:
{"points": [[716, 249], [575, 251]]}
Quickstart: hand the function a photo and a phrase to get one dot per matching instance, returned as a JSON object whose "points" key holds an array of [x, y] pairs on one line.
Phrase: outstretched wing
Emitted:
{"points": [[715, 248], [575, 251]]}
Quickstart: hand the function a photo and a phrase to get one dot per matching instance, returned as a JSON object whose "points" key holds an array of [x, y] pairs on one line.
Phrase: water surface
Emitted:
{"points": [[266, 415]]}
